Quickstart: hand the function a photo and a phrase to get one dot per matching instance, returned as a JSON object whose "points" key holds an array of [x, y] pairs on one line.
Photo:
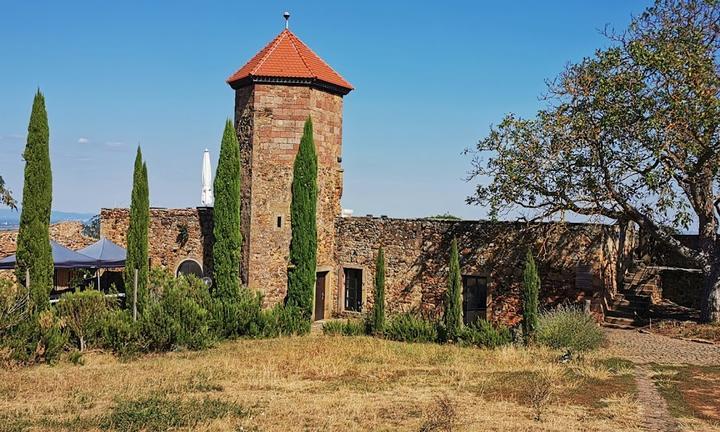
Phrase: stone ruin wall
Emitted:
{"points": [[166, 246], [269, 120], [576, 261]]}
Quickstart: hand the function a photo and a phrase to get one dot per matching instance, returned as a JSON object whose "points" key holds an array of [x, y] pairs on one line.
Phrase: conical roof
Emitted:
{"points": [[287, 60]]}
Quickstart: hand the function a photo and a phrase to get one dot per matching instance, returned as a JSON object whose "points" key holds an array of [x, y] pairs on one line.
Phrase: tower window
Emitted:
{"points": [[279, 222]]}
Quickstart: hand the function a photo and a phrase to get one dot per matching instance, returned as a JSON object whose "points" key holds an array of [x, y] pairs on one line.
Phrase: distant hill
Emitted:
{"points": [[9, 219]]}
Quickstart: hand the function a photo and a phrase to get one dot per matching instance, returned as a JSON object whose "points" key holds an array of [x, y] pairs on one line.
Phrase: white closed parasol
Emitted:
{"points": [[206, 199]]}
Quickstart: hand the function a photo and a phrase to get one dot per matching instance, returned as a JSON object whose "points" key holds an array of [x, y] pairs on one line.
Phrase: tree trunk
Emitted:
{"points": [[710, 304]]}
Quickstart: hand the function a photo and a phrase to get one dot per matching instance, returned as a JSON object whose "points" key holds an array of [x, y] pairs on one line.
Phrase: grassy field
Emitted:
{"points": [[324, 383]]}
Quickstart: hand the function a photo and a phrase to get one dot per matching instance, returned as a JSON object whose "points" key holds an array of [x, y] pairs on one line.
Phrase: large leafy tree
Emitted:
{"points": [[5, 195], [33, 242], [137, 234], [303, 214], [226, 216], [630, 134]]}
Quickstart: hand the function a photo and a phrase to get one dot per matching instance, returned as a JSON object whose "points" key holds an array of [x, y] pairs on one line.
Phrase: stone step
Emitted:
{"points": [[619, 326], [620, 321], [621, 313]]}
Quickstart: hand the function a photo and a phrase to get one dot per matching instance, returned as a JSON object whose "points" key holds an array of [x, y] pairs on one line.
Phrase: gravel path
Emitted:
{"points": [[643, 348]]}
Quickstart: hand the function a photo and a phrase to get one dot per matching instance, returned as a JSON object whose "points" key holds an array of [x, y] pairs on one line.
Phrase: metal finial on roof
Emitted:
{"points": [[286, 15]]}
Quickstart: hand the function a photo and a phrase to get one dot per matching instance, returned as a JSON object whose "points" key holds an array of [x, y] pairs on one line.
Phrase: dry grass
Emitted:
{"points": [[325, 383], [692, 394]]}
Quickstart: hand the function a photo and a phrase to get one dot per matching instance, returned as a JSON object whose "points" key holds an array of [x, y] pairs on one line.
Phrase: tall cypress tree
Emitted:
{"points": [[226, 216], [378, 314], [303, 243], [453, 296], [33, 242], [530, 301], [137, 234]]}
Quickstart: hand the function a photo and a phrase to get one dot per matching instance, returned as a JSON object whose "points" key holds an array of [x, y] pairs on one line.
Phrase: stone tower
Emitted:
{"points": [[275, 92]]}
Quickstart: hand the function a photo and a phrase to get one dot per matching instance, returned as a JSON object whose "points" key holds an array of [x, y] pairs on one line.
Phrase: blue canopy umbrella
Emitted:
{"points": [[63, 258], [106, 254]]}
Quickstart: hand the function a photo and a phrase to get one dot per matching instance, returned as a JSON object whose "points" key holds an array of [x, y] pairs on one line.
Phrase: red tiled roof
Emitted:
{"points": [[286, 56]]}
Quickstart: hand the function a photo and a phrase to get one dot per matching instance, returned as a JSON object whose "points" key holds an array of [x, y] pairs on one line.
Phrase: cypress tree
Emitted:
{"points": [[33, 242], [453, 296], [137, 234], [226, 217], [530, 302], [303, 243], [378, 315]]}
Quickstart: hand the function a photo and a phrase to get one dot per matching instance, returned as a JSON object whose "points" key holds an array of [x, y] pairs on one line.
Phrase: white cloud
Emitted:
{"points": [[83, 140]]}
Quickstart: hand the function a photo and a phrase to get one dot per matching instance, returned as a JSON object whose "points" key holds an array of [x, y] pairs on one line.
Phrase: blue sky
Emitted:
{"points": [[430, 79]]}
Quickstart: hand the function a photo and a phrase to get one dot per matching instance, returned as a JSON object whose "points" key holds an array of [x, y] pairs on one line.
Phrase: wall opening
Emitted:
{"points": [[474, 298], [189, 267], [353, 290]]}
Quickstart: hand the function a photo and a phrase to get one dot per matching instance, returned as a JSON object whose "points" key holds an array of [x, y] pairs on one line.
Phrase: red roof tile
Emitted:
{"points": [[286, 56]]}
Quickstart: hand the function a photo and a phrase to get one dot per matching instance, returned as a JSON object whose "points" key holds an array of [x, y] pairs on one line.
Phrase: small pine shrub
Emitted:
{"points": [[82, 313], [38, 339], [411, 327], [283, 320], [344, 328], [14, 305], [238, 316], [568, 327], [483, 334], [176, 315], [120, 333]]}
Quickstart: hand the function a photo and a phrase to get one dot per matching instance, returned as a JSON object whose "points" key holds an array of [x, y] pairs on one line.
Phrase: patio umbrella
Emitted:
{"points": [[206, 199]]}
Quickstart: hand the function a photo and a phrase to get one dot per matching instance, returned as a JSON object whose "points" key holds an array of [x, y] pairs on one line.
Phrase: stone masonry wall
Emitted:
{"points": [[166, 246], [269, 120], [576, 261]]}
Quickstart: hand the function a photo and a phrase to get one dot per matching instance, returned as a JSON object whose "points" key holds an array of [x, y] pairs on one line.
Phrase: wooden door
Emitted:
{"points": [[320, 296]]}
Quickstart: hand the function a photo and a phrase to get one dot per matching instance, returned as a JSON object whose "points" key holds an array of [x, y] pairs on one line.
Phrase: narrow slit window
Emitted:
{"points": [[279, 222]]}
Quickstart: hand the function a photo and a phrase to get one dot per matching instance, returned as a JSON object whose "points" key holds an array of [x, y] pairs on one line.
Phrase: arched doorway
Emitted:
{"points": [[189, 267]]}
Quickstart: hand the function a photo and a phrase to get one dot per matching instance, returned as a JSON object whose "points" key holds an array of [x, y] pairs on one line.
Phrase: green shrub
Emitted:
{"points": [[568, 327], [237, 316], [120, 333], [411, 327], [344, 328], [284, 320], [40, 338], [82, 312], [14, 305], [482, 333], [175, 315]]}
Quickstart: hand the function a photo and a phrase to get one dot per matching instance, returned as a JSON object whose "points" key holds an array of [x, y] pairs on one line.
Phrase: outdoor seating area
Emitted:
{"points": [[84, 268]]}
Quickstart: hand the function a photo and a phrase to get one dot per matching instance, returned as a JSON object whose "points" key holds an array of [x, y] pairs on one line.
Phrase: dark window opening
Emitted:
{"points": [[279, 221], [189, 267], [474, 298], [353, 290]]}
